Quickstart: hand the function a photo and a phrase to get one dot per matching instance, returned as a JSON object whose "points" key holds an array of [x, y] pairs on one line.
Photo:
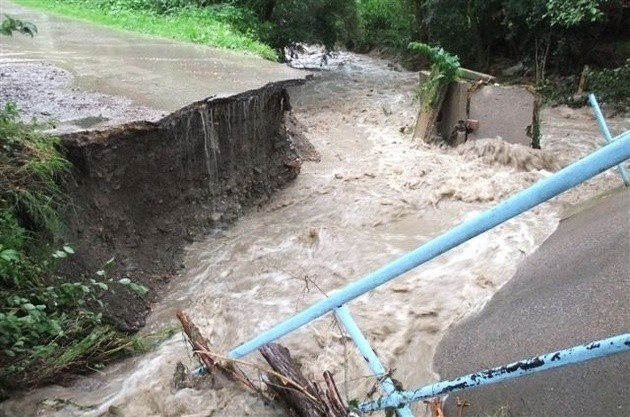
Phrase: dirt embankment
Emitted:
{"points": [[143, 191]]}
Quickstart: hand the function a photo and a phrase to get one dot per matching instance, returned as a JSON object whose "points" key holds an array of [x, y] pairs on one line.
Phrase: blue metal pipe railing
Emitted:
{"points": [[610, 155], [388, 385], [603, 127], [577, 354]]}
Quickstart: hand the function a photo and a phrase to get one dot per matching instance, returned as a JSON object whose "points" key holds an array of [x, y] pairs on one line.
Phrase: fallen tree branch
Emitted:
{"points": [[286, 382], [309, 401], [227, 368]]}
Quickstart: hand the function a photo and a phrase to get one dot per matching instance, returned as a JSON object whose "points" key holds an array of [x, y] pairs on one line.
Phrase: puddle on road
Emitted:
{"points": [[88, 122]]}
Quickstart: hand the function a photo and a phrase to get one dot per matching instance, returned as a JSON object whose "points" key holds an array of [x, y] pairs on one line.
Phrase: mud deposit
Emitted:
{"points": [[51, 95], [374, 195]]}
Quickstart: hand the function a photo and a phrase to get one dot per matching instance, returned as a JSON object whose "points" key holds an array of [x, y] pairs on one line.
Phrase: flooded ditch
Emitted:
{"points": [[373, 195]]}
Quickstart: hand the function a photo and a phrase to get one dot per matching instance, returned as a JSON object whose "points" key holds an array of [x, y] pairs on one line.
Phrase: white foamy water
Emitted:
{"points": [[374, 196]]}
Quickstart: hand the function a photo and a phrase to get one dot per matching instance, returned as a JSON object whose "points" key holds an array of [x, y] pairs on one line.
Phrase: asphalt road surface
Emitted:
{"points": [[574, 289], [152, 71]]}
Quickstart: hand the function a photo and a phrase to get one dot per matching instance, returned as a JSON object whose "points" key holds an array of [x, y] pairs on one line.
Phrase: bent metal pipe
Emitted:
{"points": [[574, 355]]}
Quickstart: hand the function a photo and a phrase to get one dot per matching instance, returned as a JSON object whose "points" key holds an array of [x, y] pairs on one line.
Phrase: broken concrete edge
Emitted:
{"points": [[465, 75], [143, 191], [428, 117], [470, 75]]}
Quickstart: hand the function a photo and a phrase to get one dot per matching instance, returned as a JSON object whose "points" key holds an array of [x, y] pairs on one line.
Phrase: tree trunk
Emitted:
{"points": [[420, 29], [213, 366]]}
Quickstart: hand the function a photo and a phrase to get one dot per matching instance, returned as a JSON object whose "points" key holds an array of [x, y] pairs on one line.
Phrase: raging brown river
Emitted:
{"points": [[375, 195]]}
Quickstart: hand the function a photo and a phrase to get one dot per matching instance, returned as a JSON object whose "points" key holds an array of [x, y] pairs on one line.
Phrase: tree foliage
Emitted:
{"points": [[288, 22], [569, 13], [385, 23], [538, 30]]}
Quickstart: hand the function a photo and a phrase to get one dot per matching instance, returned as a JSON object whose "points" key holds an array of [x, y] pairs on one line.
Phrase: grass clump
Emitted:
{"points": [[49, 323], [221, 25]]}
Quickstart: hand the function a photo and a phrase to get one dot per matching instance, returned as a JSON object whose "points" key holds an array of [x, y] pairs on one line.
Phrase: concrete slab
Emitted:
{"points": [[454, 109], [507, 112]]}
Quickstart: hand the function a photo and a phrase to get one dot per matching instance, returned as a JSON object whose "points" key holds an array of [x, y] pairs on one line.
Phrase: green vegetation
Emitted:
{"points": [[10, 25], [539, 31], [445, 68], [289, 22], [610, 85], [550, 37], [221, 25], [49, 323], [385, 24], [262, 27]]}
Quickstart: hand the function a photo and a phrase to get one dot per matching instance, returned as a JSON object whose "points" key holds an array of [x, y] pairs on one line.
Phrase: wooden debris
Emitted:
{"points": [[228, 369], [436, 406], [285, 384], [301, 397], [460, 406]]}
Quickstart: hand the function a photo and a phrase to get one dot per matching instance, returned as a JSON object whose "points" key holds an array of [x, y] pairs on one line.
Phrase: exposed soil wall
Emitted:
{"points": [[142, 191]]}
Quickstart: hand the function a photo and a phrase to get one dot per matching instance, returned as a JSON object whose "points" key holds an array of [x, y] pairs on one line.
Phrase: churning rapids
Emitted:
{"points": [[375, 195]]}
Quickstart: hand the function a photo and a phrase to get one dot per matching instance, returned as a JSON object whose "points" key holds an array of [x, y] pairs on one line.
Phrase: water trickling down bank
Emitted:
{"points": [[145, 190]]}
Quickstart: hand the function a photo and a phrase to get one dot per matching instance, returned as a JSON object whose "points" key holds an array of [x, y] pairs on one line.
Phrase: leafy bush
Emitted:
{"points": [[445, 68], [45, 318], [610, 85], [10, 25], [387, 23]]}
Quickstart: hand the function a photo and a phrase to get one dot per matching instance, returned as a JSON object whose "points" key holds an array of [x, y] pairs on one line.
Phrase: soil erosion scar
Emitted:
{"points": [[143, 190]]}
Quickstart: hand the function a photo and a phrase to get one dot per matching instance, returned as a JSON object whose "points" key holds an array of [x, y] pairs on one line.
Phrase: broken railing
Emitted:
{"points": [[614, 153], [603, 127]]}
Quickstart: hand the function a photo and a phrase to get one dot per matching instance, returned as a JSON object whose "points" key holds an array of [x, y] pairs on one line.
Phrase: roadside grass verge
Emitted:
{"points": [[212, 26]]}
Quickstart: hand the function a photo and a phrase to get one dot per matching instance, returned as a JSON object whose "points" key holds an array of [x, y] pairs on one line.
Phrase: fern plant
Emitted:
{"points": [[445, 68]]}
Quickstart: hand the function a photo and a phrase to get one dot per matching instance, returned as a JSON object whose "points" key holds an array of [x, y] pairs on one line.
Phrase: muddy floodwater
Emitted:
{"points": [[375, 195]]}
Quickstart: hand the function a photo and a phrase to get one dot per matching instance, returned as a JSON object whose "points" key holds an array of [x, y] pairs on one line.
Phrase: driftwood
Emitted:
{"points": [[285, 384], [300, 397], [228, 370], [436, 405]]}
